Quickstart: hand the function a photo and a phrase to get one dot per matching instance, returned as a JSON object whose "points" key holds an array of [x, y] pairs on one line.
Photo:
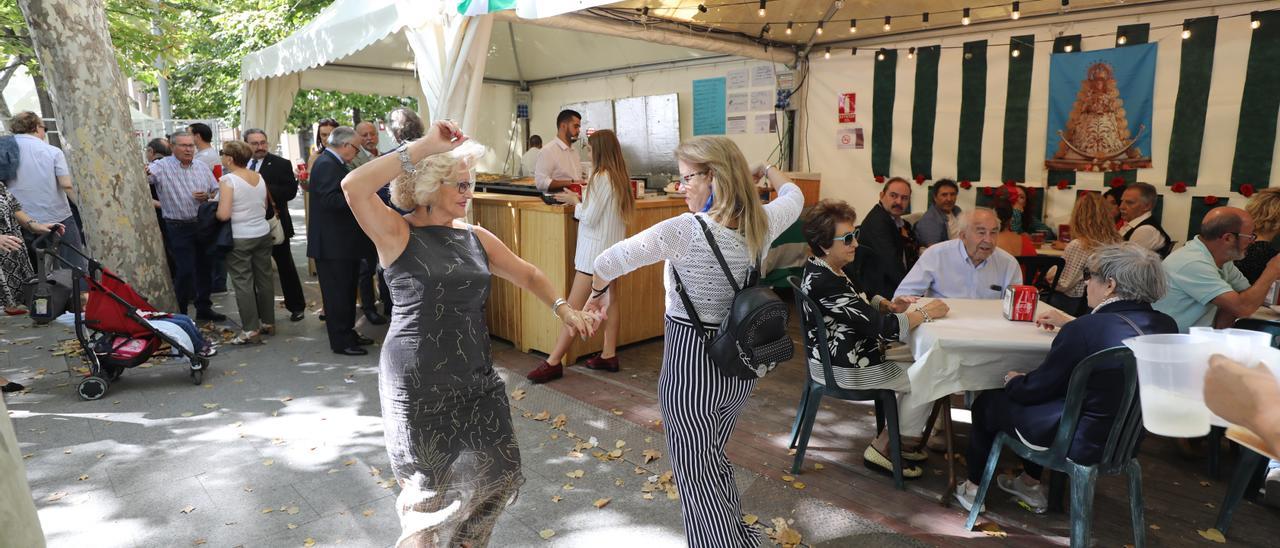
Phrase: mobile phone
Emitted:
{"points": [[549, 199]]}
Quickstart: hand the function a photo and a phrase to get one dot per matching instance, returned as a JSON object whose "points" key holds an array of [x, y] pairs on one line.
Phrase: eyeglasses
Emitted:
{"points": [[688, 178], [1086, 274], [463, 186], [1252, 236], [847, 238]]}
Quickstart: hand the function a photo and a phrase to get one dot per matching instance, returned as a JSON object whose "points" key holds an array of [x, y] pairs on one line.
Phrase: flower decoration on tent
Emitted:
{"points": [[1179, 187], [919, 178], [1117, 182], [1031, 191], [1246, 190], [880, 179], [988, 191], [1011, 182], [1210, 200], [966, 185], [1063, 184]]}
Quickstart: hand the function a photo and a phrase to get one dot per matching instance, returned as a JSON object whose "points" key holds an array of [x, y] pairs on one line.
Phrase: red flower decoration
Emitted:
{"points": [[1031, 191], [1063, 184], [1180, 187], [966, 185], [1117, 182], [988, 191], [919, 179], [1010, 182], [1246, 190], [880, 179], [1210, 200]]}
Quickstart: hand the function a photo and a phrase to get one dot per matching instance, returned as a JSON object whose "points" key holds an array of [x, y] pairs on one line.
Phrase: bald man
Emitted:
{"points": [[1205, 287], [368, 133]]}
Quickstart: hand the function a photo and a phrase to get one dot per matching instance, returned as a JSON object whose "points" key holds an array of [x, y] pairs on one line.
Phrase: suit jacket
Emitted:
{"points": [[885, 253], [332, 231], [1037, 398], [283, 186]]}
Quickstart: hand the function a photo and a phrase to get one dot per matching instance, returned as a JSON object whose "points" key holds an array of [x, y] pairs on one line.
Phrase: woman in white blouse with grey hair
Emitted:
{"points": [[699, 404]]}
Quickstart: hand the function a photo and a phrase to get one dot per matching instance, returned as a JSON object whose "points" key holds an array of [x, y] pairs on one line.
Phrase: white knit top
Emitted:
{"points": [[680, 242], [601, 223]]}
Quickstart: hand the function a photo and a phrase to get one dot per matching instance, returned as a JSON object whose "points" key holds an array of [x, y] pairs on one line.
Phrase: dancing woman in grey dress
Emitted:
{"points": [[445, 412]]}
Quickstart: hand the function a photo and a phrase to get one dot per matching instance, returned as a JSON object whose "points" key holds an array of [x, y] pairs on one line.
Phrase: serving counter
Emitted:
{"points": [[546, 236]]}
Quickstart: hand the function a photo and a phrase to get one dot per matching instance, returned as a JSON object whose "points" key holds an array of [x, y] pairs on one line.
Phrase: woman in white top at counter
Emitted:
{"points": [[608, 202], [699, 404]]}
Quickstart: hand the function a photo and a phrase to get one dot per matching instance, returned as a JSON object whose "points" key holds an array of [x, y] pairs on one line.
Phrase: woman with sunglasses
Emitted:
{"points": [[858, 329], [446, 418]]}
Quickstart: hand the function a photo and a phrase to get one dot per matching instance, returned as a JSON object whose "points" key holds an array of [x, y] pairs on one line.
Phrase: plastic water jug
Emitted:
{"points": [[1171, 372]]}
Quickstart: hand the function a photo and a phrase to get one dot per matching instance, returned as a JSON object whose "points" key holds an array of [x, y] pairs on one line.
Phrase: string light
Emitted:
{"points": [[788, 27], [880, 56], [819, 31], [911, 53], [1016, 12], [1255, 20], [853, 26], [827, 55], [887, 24], [760, 12], [924, 18], [1186, 30], [855, 50], [965, 19], [702, 8], [1067, 48], [1014, 51], [1122, 39]]}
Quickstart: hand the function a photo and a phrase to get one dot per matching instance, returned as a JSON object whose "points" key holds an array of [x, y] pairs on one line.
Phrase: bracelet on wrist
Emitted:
{"points": [[555, 307], [598, 292], [925, 315]]}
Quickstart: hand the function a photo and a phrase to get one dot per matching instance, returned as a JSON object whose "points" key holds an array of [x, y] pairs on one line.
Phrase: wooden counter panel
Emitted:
{"points": [[502, 218], [543, 237]]}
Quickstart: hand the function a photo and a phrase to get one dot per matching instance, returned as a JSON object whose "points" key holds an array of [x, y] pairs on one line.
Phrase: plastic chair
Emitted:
{"points": [[1035, 271], [1252, 467], [1118, 456], [886, 401]]}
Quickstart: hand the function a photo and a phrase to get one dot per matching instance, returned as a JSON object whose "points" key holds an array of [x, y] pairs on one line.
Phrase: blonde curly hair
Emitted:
{"points": [[408, 191]]}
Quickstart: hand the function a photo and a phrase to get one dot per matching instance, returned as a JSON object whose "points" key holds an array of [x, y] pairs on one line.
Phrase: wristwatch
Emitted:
{"points": [[405, 164]]}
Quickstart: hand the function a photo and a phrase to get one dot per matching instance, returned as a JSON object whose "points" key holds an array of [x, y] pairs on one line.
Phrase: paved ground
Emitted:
{"points": [[282, 446]]}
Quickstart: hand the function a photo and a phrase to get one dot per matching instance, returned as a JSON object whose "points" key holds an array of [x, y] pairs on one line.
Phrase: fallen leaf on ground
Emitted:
{"points": [[518, 395], [187, 413], [616, 412], [750, 519], [546, 533], [292, 526], [556, 498], [620, 444], [248, 489], [542, 416], [374, 471], [348, 462], [66, 452], [601, 503], [798, 485], [619, 482], [55, 496], [647, 496], [367, 513], [287, 398], [788, 478], [83, 477], [188, 509], [199, 542], [268, 462], [309, 542], [209, 405], [791, 452], [1204, 484], [575, 474], [568, 487], [992, 530], [559, 421], [1212, 534], [268, 510], [292, 510], [818, 466], [1155, 527]]}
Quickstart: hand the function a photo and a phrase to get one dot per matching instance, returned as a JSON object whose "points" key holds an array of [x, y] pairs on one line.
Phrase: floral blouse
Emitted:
{"points": [[857, 331]]}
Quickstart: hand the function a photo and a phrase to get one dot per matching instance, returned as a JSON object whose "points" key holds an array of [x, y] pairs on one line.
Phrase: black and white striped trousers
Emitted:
{"points": [[699, 409]]}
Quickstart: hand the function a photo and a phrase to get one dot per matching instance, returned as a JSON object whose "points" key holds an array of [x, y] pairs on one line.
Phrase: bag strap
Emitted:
{"points": [[688, 304], [1131, 324], [724, 265]]}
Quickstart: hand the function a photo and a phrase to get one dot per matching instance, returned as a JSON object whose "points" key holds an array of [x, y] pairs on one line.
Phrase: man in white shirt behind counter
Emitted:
{"points": [[558, 164]]}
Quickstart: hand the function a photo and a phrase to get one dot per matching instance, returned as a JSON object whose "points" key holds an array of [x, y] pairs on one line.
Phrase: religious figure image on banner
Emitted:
{"points": [[1100, 109]]}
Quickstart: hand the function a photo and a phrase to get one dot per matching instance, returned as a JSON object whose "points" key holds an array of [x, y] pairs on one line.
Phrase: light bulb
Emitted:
{"points": [[819, 31], [760, 12], [827, 54], [965, 19], [788, 27], [1016, 12], [853, 26], [1186, 33], [911, 53], [1067, 48], [1255, 20], [880, 56], [1122, 39], [887, 24], [1016, 52]]}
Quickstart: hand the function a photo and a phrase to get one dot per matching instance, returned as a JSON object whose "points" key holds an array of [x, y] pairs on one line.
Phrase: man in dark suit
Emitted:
{"points": [[336, 242], [283, 186], [886, 245]]}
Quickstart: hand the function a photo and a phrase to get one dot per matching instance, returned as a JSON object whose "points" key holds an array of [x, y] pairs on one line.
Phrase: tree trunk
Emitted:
{"points": [[47, 110], [77, 59]]}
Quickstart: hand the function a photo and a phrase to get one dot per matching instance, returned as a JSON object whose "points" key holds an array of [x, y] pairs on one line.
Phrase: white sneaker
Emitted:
{"points": [[1272, 487], [965, 498], [1033, 496]]}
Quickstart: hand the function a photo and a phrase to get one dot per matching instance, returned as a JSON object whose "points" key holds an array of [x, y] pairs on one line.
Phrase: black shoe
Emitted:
{"points": [[363, 340], [15, 387], [297, 316], [374, 317], [352, 351], [210, 316], [322, 316]]}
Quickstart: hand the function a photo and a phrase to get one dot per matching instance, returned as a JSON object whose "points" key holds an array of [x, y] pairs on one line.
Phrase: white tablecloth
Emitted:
{"points": [[971, 349]]}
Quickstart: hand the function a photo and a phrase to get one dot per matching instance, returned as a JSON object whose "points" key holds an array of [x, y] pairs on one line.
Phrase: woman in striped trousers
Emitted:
{"points": [[699, 405]]}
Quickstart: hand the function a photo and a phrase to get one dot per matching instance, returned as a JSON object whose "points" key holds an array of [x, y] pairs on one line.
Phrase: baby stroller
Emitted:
{"points": [[114, 327]]}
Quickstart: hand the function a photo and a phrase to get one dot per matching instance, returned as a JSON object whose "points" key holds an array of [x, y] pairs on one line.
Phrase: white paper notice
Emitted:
{"points": [[762, 99], [764, 123], [847, 138], [736, 124], [738, 78], [738, 103], [762, 76]]}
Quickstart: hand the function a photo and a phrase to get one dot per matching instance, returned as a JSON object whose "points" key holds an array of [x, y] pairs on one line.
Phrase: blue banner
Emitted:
{"points": [[708, 106], [1100, 109]]}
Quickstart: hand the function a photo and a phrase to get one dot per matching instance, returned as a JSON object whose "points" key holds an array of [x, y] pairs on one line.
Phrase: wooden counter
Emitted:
{"points": [[546, 236]]}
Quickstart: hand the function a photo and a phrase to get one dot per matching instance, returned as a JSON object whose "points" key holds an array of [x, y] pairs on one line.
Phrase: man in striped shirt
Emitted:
{"points": [[182, 185]]}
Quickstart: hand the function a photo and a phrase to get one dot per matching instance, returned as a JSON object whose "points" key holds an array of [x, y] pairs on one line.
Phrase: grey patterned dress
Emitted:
{"points": [[444, 409], [15, 266]]}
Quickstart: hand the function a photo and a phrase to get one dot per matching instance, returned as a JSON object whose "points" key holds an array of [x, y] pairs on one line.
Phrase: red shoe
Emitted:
{"points": [[545, 373], [15, 311], [603, 364]]}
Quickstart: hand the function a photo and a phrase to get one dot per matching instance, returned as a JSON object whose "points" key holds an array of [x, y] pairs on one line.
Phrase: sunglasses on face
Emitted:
{"points": [[847, 238]]}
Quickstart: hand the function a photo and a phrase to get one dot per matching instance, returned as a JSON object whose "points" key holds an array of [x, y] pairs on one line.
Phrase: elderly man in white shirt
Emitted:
{"points": [[1136, 204], [558, 165], [529, 161], [968, 267]]}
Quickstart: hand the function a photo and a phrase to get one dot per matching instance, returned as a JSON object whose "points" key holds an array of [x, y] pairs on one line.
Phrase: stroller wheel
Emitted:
{"points": [[113, 373], [92, 388], [197, 377]]}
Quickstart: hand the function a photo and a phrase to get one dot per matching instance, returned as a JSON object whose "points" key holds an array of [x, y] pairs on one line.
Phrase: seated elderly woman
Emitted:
{"points": [[1121, 280], [858, 330]]}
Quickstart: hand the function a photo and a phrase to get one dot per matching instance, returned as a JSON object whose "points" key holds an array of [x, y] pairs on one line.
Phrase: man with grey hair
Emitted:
{"points": [[182, 184], [968, 267], [1205, 287], [336, 242], [42, 184], [1136, 205], [368, 132], [282, 184]]}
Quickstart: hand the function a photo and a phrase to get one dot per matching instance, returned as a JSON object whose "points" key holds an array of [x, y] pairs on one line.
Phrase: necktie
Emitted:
{"points": [[253, 165]]}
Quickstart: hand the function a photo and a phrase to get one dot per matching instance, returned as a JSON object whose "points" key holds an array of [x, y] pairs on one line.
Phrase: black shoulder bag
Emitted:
{"points": [[752, 339]]}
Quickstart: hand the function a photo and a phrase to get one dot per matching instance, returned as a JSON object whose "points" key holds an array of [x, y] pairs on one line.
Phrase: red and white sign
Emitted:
{"points": [[1020, 303], [847, 107]]}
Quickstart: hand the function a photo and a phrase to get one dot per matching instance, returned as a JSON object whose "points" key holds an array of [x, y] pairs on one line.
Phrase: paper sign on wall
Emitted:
{"points": [[737, 124], [738, 78], [846, 108], [762, 100], [849, 138], [738, 103], [762, 76], [708, 106], [765, 123]]}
